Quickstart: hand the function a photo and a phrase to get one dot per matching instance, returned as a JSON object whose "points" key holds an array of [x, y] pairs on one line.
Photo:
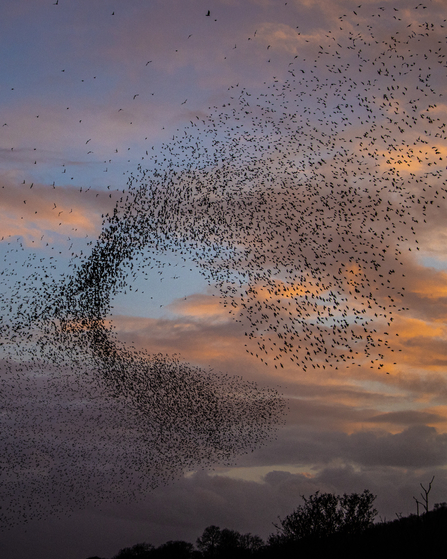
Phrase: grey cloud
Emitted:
{"points": [[418, 446], [409, 417]]}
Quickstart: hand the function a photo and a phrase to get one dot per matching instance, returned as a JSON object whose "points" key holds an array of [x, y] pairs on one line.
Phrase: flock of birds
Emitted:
{"points": [[298, 204]]}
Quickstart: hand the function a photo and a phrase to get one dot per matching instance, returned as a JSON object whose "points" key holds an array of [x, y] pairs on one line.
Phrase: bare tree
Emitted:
{"points": [[424, 496]]}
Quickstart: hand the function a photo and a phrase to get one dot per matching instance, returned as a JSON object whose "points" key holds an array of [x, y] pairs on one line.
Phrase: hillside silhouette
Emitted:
{"points": [[336, 531]]}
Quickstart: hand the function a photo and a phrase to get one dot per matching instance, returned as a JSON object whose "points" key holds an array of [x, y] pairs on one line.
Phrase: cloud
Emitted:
{"points": [[410, 417], [344, 397], [417, 446], [35, 210], [199, 307]]}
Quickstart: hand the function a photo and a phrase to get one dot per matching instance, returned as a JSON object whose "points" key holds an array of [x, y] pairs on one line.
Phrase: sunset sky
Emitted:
{"points": [[90, 91]]}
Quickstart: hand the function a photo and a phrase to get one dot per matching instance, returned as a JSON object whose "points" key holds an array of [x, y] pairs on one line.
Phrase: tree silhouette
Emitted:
{"points": [[177, 549], [138, 551], [325, 514], [250, 543], [424, 503], [216, 543], [358, 511], [208, 542]]}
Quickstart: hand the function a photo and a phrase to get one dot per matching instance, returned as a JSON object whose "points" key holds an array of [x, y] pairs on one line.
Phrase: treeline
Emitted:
{"points": [[326, 525]]}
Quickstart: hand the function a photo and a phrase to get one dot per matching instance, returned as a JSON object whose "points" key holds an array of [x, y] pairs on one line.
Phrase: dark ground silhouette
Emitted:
{"points": [[412, 536]]}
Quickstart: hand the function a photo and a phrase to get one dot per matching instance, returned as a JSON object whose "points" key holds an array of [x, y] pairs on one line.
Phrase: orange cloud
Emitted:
{"points": [[410, 328], [33, 210], [199, 306], [429, 283]]}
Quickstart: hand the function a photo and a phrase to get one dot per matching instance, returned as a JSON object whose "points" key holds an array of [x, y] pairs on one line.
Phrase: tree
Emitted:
{"points": [[358, 511], [229, 542], [424, 497], [177, 549], [325, 514], [208, 542], [251, 544], [319, 516], [138, 551], [216, 543]]}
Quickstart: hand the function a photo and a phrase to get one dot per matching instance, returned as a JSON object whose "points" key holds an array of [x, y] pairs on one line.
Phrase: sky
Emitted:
{"points": [[247, 207]]}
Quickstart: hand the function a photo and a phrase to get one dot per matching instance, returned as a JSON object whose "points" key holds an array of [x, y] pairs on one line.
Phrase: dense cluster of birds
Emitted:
{"points": [[298, 204]]}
